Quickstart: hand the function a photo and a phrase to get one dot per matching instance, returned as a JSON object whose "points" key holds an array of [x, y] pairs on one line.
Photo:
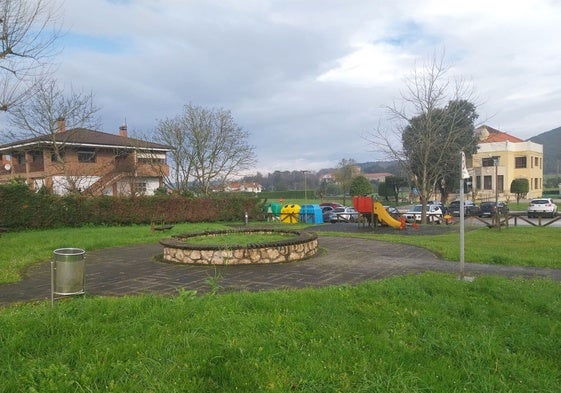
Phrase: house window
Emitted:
{"points": [[86, 155], [487, 162], [140, 187], [536, 183], [54, 156], [520, 162], [20, 158], [537, 162], [501, 183], [478, 182], [487, 182]]}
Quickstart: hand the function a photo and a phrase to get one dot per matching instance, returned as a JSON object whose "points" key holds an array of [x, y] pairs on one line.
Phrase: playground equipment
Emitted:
{"points": [[385, 217], [368, 207]]}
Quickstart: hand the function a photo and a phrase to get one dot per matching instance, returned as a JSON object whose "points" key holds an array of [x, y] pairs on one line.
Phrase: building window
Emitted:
{"points": [[520, 162], [478, 182], [54, 156], [536, 183], [487, 162], [86, 155], [140, 187], [487, 182], [500, 183]]}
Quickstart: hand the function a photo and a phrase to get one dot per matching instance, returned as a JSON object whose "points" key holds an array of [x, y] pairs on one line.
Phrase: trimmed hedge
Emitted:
{"points": [[20, 208]]}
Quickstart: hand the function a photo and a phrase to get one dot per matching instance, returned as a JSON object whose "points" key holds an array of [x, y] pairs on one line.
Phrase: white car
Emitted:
{"points": [[343, 214], [542, 207], [434, 214]]}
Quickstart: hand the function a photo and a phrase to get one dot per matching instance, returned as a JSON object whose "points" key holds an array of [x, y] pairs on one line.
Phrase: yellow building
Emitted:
{"points": [[517, 159]]}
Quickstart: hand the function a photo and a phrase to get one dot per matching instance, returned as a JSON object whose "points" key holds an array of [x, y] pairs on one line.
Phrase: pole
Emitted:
{"points": [[462, 263], [497, 216]]}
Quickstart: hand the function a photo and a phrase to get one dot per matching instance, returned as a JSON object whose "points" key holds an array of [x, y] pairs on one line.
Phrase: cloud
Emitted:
{"points": [[309, 79]]}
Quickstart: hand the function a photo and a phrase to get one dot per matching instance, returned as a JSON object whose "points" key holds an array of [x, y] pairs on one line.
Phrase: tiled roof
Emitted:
{"points": [[86, 137], [495, 135]]}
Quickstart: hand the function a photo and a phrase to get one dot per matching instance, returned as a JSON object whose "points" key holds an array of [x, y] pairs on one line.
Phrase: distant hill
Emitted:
{"points": [[551, 141]]}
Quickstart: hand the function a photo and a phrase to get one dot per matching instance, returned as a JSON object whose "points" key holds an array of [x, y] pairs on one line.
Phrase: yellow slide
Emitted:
{"points": [[384, 216]]}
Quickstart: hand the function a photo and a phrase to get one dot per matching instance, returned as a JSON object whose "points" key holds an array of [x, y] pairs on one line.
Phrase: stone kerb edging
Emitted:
{"points": [[303, 245]]}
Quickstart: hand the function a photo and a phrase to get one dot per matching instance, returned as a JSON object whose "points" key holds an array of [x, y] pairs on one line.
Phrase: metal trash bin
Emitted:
{"points": [[67, 272]]}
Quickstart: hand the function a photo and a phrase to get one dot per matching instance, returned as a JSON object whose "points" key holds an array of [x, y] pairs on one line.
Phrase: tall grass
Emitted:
{"points": [[406, 334]]}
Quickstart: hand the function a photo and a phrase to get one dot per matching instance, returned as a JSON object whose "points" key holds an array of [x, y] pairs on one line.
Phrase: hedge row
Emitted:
{"points": [[21, 208]]}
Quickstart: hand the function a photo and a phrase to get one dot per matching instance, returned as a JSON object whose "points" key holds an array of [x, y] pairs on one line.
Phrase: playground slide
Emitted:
{"points": [[384, 216]]}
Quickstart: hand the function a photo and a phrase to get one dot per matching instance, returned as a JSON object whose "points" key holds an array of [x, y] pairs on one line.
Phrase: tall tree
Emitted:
{"points": [[393, 185], [344, 174], [360, 186], [210, 147], [27, 44], [432, 137]]}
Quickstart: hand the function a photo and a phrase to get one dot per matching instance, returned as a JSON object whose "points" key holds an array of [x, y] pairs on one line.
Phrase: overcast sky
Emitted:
{"points": [[308, 79]]}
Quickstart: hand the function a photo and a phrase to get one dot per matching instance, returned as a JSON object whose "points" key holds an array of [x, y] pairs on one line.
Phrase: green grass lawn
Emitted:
{"points": [[519, 246], [423, 333]]}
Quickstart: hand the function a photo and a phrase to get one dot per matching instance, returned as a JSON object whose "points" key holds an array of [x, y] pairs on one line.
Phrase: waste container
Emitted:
{"points": [[289, 214], [311, 214], [273, 211], [67, 272]]}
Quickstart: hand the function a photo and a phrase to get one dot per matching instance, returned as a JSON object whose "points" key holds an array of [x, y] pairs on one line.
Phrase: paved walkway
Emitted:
{"points": [[134, 270]]}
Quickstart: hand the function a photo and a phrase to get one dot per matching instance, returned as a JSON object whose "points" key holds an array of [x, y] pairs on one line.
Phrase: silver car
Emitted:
{"points": [[343, 214]]}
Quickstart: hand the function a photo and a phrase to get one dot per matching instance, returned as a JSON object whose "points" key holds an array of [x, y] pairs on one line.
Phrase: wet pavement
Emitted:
{"points": [[137, 269]]}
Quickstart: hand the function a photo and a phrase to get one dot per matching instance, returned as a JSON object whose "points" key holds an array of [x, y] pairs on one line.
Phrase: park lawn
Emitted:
{"points": [[516, 246], [19, 250], [418, 333], [520, 246]]}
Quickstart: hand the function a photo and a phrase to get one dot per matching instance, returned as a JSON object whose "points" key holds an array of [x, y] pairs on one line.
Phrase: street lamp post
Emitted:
{"points": [[305, 196], [496, 164]]}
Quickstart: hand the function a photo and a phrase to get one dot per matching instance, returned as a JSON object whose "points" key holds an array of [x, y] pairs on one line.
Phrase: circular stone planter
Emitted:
{"points": [[303, 245]]}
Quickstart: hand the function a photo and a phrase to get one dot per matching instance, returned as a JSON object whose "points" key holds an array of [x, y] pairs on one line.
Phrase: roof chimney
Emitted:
{"points": [[60, 124], [123, 130]]}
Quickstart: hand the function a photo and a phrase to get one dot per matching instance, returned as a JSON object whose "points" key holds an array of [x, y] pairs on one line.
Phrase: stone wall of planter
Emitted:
{"points": [[178, 250]]}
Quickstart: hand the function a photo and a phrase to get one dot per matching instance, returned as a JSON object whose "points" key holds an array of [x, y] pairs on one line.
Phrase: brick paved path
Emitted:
{"points": [[135, 270]]}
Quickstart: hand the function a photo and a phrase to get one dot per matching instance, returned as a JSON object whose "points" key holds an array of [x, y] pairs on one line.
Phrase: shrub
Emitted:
{"points": [[20, 208]]}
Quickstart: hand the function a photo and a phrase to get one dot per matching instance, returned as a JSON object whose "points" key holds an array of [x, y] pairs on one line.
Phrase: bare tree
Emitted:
{"points": [[27, 43], [434, 122], [38, 116], [210, 148], [53, 113]]}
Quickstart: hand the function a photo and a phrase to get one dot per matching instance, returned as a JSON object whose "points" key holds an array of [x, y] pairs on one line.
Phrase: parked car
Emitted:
{"points": [[542, 207], [330, 204], [439, 204], [434, 214], [343, 214], [489, 209], [326, 212], [470, 208]]}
